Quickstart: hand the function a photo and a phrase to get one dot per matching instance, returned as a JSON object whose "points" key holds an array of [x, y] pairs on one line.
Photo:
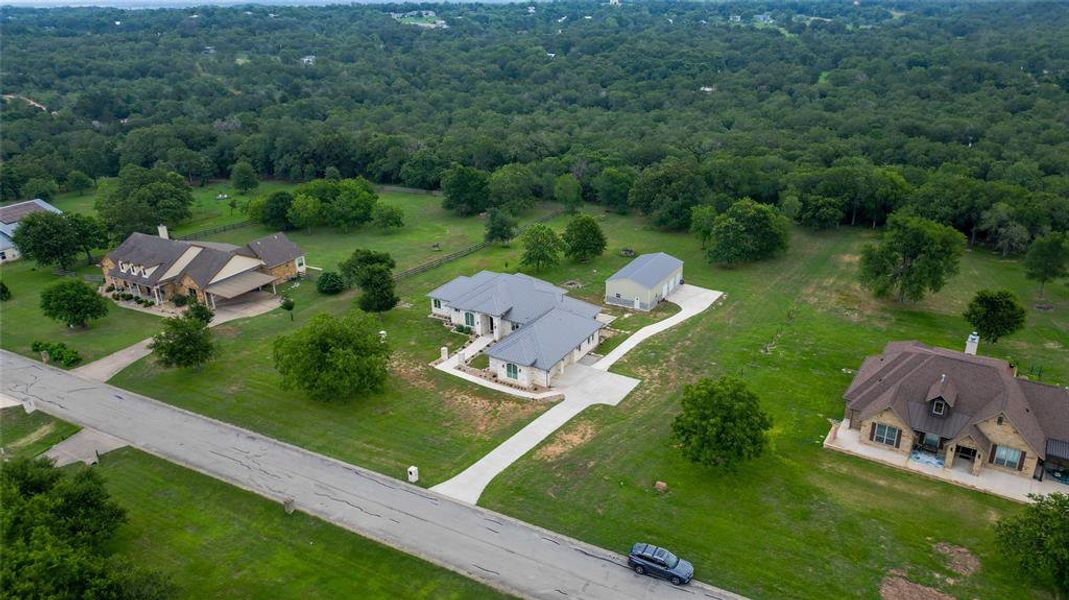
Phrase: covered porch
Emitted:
{"points": [[235, 289]]}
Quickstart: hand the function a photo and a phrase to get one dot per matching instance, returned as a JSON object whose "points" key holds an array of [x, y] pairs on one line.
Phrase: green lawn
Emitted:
{"points": [[22, 323], [27, 435], [801, 522], [210, 212], [217, 541], [426, 224]]}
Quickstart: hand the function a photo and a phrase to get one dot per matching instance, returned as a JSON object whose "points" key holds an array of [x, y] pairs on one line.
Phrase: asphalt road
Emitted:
{"points": [[500, 551]]}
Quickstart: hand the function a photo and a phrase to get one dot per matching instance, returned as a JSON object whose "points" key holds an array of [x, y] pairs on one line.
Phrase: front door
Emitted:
{"points": [[966, 453]]}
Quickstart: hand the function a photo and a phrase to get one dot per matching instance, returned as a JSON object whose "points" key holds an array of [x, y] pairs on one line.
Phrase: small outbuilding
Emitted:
{"points": [[645, 281]]}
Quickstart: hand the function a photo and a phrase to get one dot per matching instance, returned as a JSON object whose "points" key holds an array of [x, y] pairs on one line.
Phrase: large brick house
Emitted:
{"points": [[969, 412], [159, 268]]}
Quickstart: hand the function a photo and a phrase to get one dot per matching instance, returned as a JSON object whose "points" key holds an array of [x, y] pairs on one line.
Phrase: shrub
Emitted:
{"points": [[180, 300], [116, 296], [463, 329], [110, 288], [58, 353], [329, 282], [5, 293]]}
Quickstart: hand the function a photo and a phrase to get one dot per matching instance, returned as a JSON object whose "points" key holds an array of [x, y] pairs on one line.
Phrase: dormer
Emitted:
{"points": [[124, 266], [941, 396]]}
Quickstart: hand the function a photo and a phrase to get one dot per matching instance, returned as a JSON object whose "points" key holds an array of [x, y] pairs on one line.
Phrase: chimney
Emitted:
{"points": [[163, 232], [971, 343]]}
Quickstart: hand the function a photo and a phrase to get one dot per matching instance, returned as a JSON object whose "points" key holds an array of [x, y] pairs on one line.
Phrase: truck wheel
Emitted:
{"points": [[640, 569], [677, 581]]}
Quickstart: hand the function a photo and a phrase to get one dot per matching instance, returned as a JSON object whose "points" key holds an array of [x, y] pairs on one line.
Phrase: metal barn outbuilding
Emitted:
{"points": [[645, 281]]}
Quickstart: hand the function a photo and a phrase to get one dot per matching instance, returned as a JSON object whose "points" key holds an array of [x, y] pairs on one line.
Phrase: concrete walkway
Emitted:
{"points": [[500, 551], [848, 441], [581, 385], [107, 367], [86, 446], [449, 366], [691, 300]]}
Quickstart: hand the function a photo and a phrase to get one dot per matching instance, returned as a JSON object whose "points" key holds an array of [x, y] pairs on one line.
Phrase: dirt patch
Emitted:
{"points": [[959, 559], [37, 434], [564, 441], [226, 331], [411, 371], [571, 284], [482, 415], [849, 259], [898, 588]]}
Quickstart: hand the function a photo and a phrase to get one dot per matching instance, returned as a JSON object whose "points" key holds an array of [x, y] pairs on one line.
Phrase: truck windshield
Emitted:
{"points": [[671, 560]]}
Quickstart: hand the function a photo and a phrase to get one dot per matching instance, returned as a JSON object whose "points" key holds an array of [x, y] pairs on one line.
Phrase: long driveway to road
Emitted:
{"points": [[500, 551]]}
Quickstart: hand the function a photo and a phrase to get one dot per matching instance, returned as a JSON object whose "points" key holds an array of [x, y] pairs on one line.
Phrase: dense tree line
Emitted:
{"points": [[837, 114]]}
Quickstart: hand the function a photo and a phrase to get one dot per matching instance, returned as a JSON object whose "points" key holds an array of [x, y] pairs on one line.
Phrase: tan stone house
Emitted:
{"points": [[964, 411], [159, 268]]}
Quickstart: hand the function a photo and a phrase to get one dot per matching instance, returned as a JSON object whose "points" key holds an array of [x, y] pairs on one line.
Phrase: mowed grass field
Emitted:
{"points": [[801, 522], [217, 541], [27, 435], [22, 322]]}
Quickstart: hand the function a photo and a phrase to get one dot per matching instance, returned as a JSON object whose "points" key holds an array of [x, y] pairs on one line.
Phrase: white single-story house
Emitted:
{"points": [[537, 329], [645, 281], [10, 216]]}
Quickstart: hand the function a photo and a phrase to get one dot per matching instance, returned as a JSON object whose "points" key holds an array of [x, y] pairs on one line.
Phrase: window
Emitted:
{"points": [[885, 434], [999, 420], [511, 371], [469, 319], [939, 408], [437, 303], [300, 261], [617, 294], [1006, 457]]}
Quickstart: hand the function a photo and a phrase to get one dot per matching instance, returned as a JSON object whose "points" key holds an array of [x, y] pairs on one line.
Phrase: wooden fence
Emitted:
{"points": [[214, 230], [441, 260]]}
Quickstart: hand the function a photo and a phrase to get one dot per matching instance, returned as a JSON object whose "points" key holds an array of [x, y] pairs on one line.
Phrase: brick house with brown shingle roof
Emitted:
{"points": [[158, 268], [961, 408]]}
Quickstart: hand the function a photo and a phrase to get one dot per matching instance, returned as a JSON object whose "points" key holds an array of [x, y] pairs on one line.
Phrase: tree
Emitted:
{"points": [[89, 232], [306, 211], [721, 423], [78, 182], [388, 217], [243, 177], [512, 188], [73, 302], [915, 256], [667, 192], [40, 188], [1047, 259], [611, 188], [5, 293], [139, 199], [201, 312], [583, 238], [47, 238], [702, 220], [354, 269], [378, 289], [821, 212], [500, 227], [568, 192], [748, 231], [288, 304], [541, 247], [55, 533], [1036, 539], [332, 174], [329, 283], [275, 211], [995, 314], [353, 203], [333, 359], [464, 190], [184, 342]]}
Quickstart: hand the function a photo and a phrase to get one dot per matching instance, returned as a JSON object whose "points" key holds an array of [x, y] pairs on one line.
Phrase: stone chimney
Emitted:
{"points": [[971, 343], [163, 232]]}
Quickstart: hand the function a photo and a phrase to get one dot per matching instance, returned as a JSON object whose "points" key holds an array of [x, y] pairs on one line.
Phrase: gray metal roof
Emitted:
{"points": [[11, 214], [545, 342], [517, 298], [649, 270], [239, 284]]}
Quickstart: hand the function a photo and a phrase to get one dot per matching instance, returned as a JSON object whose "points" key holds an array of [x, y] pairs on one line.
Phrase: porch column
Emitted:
{"points": [[156, 293], [212, 298]]}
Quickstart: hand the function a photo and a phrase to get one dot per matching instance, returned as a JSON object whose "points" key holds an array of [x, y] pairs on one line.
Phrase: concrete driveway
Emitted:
{"points": [[582, 386], [107, 367], [495, 549]]}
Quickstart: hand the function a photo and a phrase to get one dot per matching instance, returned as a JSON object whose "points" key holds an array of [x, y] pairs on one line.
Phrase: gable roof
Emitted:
{"points": [[546, 341], [153, 251], [649, 270], [903, 378], [11, 214]]}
